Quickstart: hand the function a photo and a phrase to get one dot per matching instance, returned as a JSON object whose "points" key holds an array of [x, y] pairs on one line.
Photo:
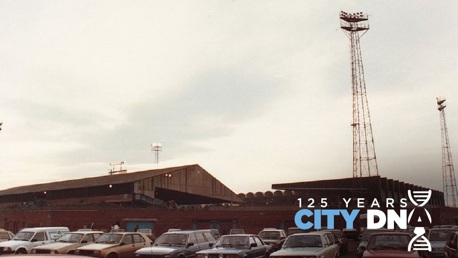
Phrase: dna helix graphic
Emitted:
{"points": [[419, 242]]}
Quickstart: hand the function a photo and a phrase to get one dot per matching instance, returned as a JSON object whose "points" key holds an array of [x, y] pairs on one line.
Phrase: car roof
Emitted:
{"points": [[443, 229], [45, 229], [122, 233], [272, 229], [235, 235], [85, 231], [312, 233], [187, 231], [390, 233]]}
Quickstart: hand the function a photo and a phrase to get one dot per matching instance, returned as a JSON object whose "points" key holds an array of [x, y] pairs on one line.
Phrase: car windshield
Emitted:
{"points": [[388, 242], [172, 239], [233, 241], [300, 241], [269, 235], [109, 238], [70, 238], [23, 236], [367, 234], [440, 235]]}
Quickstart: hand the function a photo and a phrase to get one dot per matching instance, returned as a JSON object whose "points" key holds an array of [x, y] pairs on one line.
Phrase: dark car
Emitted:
{"points": [[451, 247], [237, 245], [183, 243], [389, 244], [351, 234], [438, 237], [365, 238], [273, 236]]}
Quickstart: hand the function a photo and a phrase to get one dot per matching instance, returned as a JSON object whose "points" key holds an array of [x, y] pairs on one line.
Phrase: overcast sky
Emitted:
{"points": [[255, 92]]}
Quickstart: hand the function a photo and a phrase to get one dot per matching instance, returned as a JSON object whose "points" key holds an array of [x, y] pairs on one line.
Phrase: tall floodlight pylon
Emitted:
{"points": [[355, 25], [448, 173]]}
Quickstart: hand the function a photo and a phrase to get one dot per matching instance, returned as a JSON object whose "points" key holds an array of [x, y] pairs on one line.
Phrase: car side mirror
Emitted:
{"points": [[189, 244], [122, 243], [84, 242], [253, 245]]}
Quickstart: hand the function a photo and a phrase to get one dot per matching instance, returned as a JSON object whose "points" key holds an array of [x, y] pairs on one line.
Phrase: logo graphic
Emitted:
{"points": [[419, 242]]}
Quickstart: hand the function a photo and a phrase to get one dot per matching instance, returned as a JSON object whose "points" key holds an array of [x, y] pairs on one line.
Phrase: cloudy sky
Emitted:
{"points": [[256, 92]]}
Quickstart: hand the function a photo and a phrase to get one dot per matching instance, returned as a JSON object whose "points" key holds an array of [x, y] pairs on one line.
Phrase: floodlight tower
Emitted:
{"points": [[355, 25], [156, 148], [448, 173]]}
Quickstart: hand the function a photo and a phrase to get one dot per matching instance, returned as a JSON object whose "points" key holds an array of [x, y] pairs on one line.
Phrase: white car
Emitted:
{"points": [[313, 244], [28, 238], [68, 243]]}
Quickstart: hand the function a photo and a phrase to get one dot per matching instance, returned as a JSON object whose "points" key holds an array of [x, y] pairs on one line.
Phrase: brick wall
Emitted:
{"points": [[224, 218]]}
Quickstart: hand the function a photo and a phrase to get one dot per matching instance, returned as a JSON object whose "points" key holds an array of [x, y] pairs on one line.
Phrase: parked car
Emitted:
{"points": [[115, 245], [236, 231], [215, 233], [451, 246], [237, 245], [351, 233], [27, 238], [389, 244], [6, 235], [365, 238], [313, 244], [183, 243], [148, 232], [68, 243], [48, 256], [273, 236], [341, 240], [438, 237]]}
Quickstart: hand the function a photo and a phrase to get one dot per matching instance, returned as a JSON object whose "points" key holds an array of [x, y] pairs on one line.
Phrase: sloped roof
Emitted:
{"points": [[120, 178]]}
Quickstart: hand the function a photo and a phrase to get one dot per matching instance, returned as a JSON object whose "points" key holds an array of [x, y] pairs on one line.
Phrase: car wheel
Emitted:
{"points": [[112, 255], [21, 251]]}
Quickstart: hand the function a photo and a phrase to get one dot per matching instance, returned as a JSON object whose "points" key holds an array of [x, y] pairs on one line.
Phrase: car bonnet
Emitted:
{"points": [[159, 250], [97, 246]]}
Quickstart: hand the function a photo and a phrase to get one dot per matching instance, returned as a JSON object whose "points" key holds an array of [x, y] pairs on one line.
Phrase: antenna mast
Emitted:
{"points": [[448, 173], [355, 25]]}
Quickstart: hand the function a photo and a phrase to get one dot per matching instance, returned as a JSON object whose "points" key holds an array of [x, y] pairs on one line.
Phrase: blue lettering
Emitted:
{"points": [[317, 219], [330, 214], [349, 218], [298, 219]]}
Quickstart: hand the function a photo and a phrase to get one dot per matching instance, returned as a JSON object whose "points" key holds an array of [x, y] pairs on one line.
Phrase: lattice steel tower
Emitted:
{"points": [[448, 173], [355, 25]]}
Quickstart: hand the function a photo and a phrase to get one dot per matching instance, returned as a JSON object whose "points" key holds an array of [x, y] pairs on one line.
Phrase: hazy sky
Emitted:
{"points": [[256, 92]]}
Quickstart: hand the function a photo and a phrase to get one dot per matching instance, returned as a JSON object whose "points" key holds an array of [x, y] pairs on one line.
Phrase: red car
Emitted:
{"points": [[389, 244]]}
